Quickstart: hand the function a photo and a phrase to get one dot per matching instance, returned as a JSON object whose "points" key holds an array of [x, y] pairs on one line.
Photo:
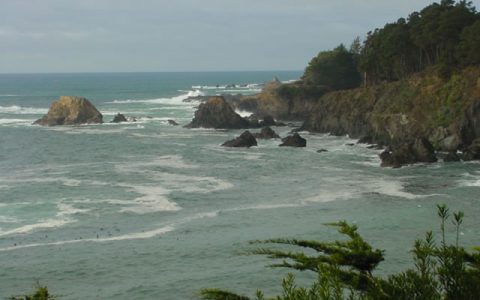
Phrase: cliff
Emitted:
{"points": [[445, 111]]}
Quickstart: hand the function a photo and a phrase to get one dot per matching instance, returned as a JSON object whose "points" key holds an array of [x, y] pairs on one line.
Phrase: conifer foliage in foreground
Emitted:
{"points": [[345, 269]]}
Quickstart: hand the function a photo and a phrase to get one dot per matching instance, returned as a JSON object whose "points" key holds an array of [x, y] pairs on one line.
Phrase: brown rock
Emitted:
{"points": [[70, 110], [217, 113]]}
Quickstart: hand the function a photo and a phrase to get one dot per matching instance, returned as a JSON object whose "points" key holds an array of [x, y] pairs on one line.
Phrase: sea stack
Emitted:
{"points": [[217, 113], [71, 110]]}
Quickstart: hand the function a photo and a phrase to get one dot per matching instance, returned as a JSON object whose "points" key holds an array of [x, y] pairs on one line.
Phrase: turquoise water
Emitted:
{"points": [[146, 210]]}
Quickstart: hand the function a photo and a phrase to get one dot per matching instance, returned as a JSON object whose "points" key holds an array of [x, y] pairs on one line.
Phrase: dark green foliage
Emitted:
{"points": [[468, 51], [335, 69], [441, 33], [302, 91], [41, 293], [443, 272]]}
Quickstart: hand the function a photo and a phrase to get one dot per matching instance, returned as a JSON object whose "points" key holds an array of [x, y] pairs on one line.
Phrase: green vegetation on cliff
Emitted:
{"points": [[346, 269]]}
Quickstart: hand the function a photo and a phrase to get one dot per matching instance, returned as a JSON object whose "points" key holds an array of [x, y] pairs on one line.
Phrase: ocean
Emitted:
{"points": [[146, 210]]}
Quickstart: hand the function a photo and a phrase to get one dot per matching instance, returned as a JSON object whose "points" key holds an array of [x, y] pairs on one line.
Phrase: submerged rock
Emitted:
{"points": [[267, 133], [246, 139], [294, 140], [119, 118], [70, 110], [172, 122], [322, 150], [217, 113]]}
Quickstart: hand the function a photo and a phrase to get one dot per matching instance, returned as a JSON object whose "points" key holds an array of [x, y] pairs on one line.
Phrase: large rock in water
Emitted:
{"points": [[267, 133], [70, 110], [217, 113], [246, 139], [294, 140], [421, 150]]}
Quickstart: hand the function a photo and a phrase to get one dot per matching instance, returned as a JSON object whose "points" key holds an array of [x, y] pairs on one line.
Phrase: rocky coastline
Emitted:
{"points": [[415, 120]]}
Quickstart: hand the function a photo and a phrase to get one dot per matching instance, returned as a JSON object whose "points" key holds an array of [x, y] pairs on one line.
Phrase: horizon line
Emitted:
{"points": [[136, 72]]}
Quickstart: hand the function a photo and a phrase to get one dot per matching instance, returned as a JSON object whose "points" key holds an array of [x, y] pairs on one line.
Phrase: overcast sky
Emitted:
{"points": [[182, 35]]}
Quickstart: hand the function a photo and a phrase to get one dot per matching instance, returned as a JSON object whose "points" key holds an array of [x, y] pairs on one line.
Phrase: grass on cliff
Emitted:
{"points": [[345, 269]]}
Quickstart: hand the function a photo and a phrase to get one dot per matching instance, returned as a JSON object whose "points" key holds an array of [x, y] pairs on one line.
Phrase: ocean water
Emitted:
{"points": [[145, 210]]}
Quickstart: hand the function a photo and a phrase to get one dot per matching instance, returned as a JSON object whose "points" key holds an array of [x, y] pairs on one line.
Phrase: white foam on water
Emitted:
{"points": [[168, 161], [244, 113], [15, 109], [392, 188], [153, 199], [264, 207], [131, 236], [42, 224], [329, 196], [67, 209], [8, 121], [177, 100]]}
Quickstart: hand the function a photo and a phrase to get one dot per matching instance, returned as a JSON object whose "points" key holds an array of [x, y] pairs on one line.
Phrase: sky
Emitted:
{"points": [[43, 36]]}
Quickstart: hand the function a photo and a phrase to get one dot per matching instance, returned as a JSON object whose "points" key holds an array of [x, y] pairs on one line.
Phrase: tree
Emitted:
{"points": [[468, 50], [335, 69], [345, 268]]}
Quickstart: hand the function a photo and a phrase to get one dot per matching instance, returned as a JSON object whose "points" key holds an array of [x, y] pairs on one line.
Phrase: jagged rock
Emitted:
{"points": [[217, 113], [267, 133], [365, 140], [70, 110], [172, 122], [419, 151], [423, 151], [294, 140], [253, 122], [451, 157], [119, 118], [246, 139], [473, 151], [450, 143], [268, 121]]}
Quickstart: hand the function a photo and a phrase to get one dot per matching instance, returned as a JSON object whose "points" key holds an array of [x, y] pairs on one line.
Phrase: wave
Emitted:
{"points": [[15, 109], [8, 121], [43, 224], [131, 236], [177, 100], [8, 95], [236, 87], [244, 113]]}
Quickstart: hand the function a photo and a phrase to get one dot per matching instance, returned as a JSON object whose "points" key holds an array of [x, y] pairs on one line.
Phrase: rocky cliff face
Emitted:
{"points": [[70, 110], [446, 112]]}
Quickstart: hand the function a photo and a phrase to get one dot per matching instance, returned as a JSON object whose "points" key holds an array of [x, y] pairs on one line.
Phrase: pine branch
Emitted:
{"points": [[217, 294]]}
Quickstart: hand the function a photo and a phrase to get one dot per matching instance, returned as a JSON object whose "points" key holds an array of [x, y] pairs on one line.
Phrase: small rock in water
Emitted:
{"points": [[294, 140], [172, 122], [246, 139], [119, 118], [322, 150]]}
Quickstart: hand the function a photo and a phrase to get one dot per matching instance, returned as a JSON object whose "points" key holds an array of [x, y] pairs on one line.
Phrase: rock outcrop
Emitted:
{"points": [[119, 118], [70, 110], [217, 113], [246, 140], [409, 153], [267, 133], [294, 140]]}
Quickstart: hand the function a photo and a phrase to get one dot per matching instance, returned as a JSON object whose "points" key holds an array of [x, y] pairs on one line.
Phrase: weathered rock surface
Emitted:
{"points": [[267, 133], [409, 153], [70, 110], [217, 113], [246, 139], [451, 157], [294, 140], [119, 118]]}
